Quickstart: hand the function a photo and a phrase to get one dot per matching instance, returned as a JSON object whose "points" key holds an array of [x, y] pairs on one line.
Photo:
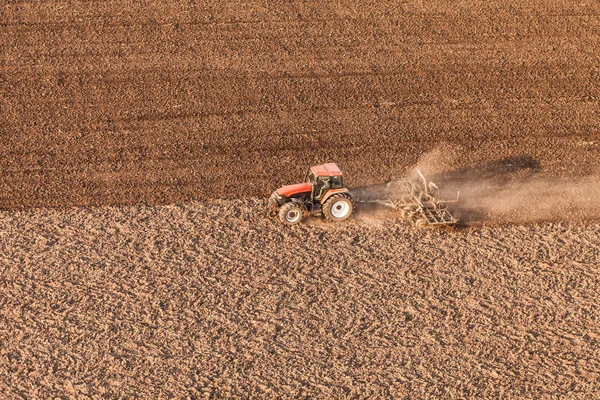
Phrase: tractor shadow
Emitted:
{"points": [[497, 171]]}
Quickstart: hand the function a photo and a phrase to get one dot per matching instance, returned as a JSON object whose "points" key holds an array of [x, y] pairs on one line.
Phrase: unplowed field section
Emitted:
{"points": [[213, 299], [119, 102]]}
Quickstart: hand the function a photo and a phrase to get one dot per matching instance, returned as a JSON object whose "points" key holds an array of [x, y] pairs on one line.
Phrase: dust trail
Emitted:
{"points": [[528, 199], [511, 190], [507, 190]]}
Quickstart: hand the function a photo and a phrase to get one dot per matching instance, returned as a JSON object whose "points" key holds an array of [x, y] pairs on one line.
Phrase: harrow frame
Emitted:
{"points": [[419, 201]]}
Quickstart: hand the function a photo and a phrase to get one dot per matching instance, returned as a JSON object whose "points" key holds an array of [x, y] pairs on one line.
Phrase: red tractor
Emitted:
{"points": [[322, 193]]}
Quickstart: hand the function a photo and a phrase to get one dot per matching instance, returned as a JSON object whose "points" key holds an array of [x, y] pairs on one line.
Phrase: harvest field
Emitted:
{"points": [[140, 140]]}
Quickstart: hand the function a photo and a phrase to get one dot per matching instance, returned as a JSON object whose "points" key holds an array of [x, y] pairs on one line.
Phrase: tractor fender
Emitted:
{"points": [[331, 192]]}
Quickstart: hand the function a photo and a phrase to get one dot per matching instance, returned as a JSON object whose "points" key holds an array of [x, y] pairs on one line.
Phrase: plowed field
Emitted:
{"points": [[138, 141], [120, 102], [217, 300]]}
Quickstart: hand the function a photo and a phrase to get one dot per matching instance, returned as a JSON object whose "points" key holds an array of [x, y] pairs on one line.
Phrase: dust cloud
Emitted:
{"points": [[510, 190]]}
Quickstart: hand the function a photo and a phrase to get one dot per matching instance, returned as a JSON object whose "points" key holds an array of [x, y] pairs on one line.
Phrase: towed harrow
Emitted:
{"points": [[417, 200]]}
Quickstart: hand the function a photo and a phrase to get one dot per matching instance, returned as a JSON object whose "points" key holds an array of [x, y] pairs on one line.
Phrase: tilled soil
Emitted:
{"points": [[215, 299], [124, 102], [145, 105]]}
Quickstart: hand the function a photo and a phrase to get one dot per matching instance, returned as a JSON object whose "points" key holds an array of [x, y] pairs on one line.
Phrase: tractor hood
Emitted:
{"points": [[291, 190]]}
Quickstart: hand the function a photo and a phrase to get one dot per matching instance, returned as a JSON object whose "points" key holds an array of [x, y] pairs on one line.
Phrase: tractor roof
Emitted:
{"points": [[329, 169]]}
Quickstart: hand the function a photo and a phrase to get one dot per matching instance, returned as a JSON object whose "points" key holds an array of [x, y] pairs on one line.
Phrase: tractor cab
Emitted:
{"points": [[322, 178], [322, 192]]}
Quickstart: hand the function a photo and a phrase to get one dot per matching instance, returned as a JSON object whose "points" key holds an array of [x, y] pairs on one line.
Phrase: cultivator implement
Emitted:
{"points": [[418, 200]]}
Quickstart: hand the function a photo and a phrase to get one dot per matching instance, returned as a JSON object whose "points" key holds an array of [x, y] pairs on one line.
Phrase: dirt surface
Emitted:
{"points": [[138, 139], [122, 102], [214, 299]]}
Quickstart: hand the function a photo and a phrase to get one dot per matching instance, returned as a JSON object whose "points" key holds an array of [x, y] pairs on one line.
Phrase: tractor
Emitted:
{"points": [[321, 193]]}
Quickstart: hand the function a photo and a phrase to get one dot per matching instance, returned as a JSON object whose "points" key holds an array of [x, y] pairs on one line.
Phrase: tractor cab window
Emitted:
{"points": [[336, 182], [310, 177]]}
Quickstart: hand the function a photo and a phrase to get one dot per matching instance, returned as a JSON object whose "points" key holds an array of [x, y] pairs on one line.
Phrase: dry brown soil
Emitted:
{"points": [[215, 299], [123, 101], [138, 140]]}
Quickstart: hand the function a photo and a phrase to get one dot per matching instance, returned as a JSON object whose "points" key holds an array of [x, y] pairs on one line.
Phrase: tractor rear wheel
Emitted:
{"points": [[338, 207], [290, 213]]}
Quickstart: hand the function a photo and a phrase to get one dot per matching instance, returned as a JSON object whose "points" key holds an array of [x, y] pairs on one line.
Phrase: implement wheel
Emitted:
{"points": [[421, 223], [290, 213]]}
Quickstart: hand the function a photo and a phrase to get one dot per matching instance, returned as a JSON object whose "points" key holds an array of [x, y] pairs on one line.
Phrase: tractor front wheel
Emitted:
{"points": [[338, 207], [290, 213]]}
